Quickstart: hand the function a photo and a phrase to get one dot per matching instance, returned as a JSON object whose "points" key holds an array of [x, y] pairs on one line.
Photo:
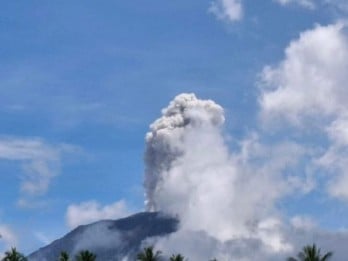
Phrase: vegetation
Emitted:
{"points": [[177, 257], [13, 255], [308, 253], [64, 256], [148, 254], [311, 253], [85, 256]]}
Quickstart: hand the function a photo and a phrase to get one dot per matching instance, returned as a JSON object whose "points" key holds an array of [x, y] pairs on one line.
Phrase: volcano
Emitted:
{"points": [[110, 239]]}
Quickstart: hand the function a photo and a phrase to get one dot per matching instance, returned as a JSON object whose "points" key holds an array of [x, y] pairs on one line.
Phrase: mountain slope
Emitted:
{"points": [[110, 239]]}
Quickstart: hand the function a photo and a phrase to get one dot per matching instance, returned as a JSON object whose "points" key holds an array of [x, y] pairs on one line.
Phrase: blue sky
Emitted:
{"points": [[81, 81]]}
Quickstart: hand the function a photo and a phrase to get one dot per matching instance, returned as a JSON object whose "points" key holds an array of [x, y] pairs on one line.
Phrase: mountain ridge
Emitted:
{"points": [[110, 239]]}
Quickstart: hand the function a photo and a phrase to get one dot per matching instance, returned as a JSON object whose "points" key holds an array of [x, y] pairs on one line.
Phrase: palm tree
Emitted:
{"points": [[311, 253], [85, 255], [13, 255], [64, 256], [149, 255], [177, 257]]}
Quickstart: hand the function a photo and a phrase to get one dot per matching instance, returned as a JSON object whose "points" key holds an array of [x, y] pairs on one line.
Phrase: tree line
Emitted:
{"points": [[308, 253]]}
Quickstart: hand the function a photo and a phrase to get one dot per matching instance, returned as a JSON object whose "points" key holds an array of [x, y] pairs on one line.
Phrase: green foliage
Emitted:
{"points": [[311, 253], [85, 255], [308, 253], [148, 254], [13, 255], [177, 257], [64, 256]]}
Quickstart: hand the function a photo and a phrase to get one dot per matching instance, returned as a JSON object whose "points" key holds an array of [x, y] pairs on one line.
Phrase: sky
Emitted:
{"points": [[81, 82]]}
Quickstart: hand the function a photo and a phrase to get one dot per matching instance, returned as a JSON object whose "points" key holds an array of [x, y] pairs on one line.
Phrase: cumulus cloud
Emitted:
{"points": [[219, 195], [91, 211], [309, 4], [229, 10], [310, 81], [308, 89]]}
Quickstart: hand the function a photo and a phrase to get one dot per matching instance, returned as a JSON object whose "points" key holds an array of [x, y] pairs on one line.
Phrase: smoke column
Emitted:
{"points": [[165, 140]]}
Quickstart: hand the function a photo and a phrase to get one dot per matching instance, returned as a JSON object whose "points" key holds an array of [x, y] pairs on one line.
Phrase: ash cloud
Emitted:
{"points": [[219, 195], [165, 142]]}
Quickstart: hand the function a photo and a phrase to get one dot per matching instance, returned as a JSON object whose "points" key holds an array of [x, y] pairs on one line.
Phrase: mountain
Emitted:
{"points": [[110, 239]]}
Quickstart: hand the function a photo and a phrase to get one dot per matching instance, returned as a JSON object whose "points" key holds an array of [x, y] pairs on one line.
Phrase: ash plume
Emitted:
{"points": [[221, 197], [164, 141]]}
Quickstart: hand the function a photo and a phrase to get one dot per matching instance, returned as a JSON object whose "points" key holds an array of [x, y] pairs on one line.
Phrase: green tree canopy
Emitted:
{"points": [[148, 254], [64, 256], [177, 257], [14, 255], [311, 253], [85, 255]]}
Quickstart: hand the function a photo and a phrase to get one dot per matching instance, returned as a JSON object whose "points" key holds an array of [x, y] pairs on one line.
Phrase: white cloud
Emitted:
{"points": [[310, 81], [91, 211], [308, 89], [229, 10], [335, 159], [39, 161], [309, 4], [338, 131]]}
